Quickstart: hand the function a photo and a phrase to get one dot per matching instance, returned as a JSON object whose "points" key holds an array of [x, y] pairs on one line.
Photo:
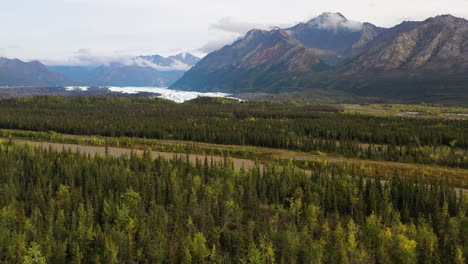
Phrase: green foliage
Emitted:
{"points": [[65, 207], [34, 255]]}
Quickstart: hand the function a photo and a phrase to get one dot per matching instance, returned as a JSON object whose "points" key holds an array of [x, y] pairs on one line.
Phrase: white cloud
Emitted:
{"points": [[88, 57], [54, 29], [232, 25], [228, 30], [107, 3], [217, 44], [335, 21], [175, 66]]}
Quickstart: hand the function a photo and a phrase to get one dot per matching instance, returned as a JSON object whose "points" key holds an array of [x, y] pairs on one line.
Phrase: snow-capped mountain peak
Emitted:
{"points": [[334, 21], [186, 58]]}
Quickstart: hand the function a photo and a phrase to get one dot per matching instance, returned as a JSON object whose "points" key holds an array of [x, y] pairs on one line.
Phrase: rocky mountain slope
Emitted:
{"points": [[439, 44], [326, 40], [334, 32], [418, 61], [261, 59], [411, 60]]}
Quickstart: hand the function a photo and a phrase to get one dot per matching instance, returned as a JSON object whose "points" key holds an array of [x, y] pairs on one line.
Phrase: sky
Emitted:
{"points": [[72, 32]]}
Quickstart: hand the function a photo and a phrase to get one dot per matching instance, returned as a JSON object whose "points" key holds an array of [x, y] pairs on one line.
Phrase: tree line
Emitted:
{"points": [[295, 126]]}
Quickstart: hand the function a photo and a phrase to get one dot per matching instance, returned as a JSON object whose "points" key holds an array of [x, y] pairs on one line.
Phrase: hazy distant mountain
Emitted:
{"points": [[122, 75], [153, 70], [185, 58], [14, 72], [413, 60], [261, 59], [76, 73]]}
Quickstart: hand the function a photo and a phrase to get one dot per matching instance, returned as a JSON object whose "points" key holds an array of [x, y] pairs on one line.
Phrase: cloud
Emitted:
{"points": [[405, 18], [5, 50], [86, 57], [227, 30], [232, 25], [175, 66], [217, 44], [111, 3], [335, 21]]}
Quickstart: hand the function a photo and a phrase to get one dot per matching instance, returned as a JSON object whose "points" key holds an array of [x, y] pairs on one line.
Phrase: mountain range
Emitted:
{"points": [[414, 61], [426, 59], [151, 70]]}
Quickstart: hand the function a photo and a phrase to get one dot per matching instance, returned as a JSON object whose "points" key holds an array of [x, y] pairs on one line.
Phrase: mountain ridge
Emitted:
{"points": [[427, 57], [245, 62], [333, 31], [15, 72], [430, 44]]}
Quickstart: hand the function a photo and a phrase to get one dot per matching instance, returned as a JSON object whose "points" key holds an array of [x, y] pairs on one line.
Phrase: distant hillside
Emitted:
{"points": [[78, 74], [121, 75], [14, 72]]}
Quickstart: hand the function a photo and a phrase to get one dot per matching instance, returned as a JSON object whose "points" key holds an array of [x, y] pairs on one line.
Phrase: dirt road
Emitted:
{"points": [[238, 163]]}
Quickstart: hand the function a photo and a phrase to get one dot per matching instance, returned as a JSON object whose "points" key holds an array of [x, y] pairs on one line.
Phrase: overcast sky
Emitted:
{"points": [[65, 31]]}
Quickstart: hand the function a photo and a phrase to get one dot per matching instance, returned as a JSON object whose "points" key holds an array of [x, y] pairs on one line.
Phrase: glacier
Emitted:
{"points": [[173, 95]]}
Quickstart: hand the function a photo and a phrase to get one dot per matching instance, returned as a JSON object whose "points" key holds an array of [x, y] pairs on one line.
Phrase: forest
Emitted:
{"points": [[295, 126], [67, 207], [63, 206]]}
